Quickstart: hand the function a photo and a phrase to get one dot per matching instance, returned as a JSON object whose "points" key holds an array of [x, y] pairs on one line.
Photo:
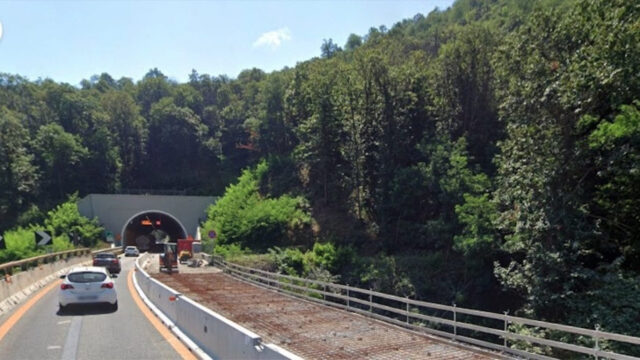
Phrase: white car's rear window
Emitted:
{"points": [[86, 277]]}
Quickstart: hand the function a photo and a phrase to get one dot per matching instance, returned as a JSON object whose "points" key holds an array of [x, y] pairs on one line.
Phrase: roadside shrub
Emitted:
{"points": [[382, 274], [322, 256], [61, 222], [231, 251], [290, 261], [66, 219], [246, 217], [20, 244]]}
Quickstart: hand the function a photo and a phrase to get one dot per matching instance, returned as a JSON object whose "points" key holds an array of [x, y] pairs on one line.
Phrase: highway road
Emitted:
{"points": [[88, 332]]}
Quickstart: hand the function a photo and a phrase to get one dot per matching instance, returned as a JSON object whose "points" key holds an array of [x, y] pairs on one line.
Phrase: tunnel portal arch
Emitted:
{"points": [[146, 229]]}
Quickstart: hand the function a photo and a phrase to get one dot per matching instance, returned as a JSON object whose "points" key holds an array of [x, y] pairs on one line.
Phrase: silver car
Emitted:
{"points": [[131, 251], [87, 285]]}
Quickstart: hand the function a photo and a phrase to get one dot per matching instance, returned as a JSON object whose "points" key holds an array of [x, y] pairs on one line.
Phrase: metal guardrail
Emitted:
{"points": [[24, 264], [447, 321]]}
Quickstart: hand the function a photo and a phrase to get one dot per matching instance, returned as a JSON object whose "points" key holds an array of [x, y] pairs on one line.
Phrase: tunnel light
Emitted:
{"points": [[146, 222]]}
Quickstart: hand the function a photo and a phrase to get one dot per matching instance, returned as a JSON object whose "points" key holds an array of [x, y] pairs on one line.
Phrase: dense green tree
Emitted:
{"points": [[19, 178], [464, 98], [274, 134], [494, 143], [318, 153], [58, 154], [175, 143], [353, 42], [153, 87], [553, 72], [129, 132], [329, 49]]}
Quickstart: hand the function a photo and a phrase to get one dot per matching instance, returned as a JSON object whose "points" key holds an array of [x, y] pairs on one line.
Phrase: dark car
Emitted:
{"points": [[108, 260]]}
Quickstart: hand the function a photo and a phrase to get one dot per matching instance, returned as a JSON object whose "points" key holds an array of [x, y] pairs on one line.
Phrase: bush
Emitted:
{"points": [[382, 274], [290, 261], [322, 262], [20, 245], [245, 217], [61, 221], [66, 219], [323, 256], [231, 251]]}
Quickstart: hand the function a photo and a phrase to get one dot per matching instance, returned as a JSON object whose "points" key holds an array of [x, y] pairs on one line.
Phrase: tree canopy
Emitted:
{"points": [[493, 145]]}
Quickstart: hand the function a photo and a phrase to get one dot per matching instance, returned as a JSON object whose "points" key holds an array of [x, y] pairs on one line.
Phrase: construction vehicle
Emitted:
{"points": [[168, 259], [186, 249]]}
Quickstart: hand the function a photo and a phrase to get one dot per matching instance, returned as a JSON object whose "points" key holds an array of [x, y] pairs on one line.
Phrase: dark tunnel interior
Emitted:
{"points": [[149, 230]]}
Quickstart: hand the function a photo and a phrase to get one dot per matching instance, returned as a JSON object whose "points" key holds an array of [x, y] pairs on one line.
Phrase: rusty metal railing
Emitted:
{"points": [[25, 264], [438, 319]]}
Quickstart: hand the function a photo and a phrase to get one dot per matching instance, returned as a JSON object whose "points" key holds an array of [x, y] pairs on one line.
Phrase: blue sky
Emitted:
{"points": [[68, 41]]}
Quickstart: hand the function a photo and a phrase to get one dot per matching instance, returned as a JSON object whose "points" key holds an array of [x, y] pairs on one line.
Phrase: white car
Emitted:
{"points": [[87, 285], [131, 251]]}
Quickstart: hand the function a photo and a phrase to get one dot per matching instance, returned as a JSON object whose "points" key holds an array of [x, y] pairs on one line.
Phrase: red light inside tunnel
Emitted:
{"points": [[158, 222]]}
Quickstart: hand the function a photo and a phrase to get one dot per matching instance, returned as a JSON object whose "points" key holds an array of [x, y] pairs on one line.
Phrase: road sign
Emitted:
{"points": [[212, 234], [2, 244], [43, 237], [109, 236]]}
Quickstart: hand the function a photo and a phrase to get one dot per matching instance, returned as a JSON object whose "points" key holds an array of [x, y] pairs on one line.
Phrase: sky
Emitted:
{"points": [[68, 41]]}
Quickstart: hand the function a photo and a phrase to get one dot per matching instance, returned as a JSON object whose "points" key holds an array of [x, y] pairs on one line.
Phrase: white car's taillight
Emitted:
{"points": [[108, 285], [66, 286]]}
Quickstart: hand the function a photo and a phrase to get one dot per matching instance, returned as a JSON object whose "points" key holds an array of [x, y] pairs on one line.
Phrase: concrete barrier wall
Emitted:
{"points": [[164, 298], [22, 284], [214, 334]]}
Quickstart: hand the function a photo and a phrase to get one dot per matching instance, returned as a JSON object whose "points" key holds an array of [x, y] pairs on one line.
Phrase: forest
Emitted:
{"points": [[486, 155]]}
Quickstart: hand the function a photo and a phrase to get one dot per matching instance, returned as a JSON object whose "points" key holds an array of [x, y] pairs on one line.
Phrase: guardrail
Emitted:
{"points": [[24, 264], [456, 323]]}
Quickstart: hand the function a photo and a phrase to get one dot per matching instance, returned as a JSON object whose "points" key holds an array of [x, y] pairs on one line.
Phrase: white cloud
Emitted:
{"points": [[273, 39]]}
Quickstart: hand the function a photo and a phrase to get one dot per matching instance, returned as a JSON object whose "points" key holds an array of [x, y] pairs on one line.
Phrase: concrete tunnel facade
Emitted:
{"points": [[145, 220], [147, 229]]}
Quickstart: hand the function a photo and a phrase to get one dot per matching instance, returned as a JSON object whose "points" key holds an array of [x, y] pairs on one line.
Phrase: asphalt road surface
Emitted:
{"points": [[93, 332]]}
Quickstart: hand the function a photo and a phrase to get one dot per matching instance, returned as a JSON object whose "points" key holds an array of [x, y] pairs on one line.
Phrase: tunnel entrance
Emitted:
{"points": [[148, 230]]}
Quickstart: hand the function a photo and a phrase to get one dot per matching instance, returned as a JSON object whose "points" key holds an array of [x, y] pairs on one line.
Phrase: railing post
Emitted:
{"points": [[348, 303], [324, 292], [370, 300], [455, 325], [407, 302], [506, 328], [596, 346]]}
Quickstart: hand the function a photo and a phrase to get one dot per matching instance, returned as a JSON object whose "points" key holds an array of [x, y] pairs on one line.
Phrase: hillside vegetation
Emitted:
{"points": [[487, 155]]}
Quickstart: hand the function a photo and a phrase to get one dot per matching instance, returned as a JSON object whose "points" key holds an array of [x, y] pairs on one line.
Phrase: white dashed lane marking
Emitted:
{"points": [[73, 337]]}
